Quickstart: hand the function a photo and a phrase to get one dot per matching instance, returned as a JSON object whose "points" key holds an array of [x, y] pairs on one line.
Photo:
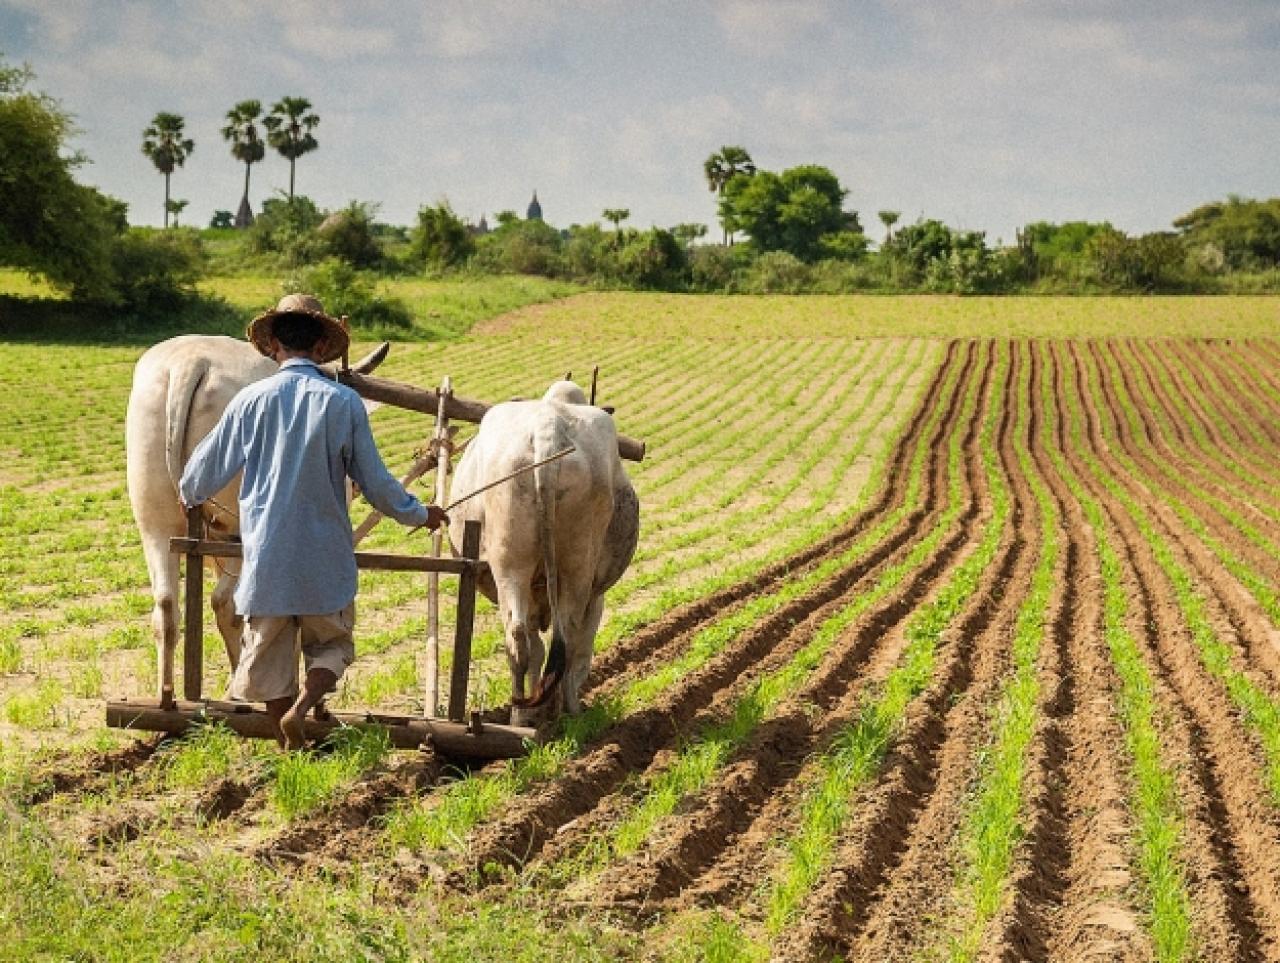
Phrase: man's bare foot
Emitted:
{"points": [[293, 725]]}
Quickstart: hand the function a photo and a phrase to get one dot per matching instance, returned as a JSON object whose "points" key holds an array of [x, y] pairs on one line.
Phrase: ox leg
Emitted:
{"points": [[522, 640], [581, 646], [163, 569], [230, 624]]}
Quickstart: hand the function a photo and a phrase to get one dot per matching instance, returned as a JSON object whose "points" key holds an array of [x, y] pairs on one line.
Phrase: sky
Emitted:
{"points": [[987, 115]]}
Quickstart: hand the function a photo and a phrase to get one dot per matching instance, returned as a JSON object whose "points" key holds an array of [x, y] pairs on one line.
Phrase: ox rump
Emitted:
{"points": [[555, 538]]}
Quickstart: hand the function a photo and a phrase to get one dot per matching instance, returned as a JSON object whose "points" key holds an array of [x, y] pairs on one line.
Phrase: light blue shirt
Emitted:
{"points": [[297, 436]]}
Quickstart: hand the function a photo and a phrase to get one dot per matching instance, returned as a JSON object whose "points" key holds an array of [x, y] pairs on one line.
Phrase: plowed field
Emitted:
{"points": [[961, 649]]}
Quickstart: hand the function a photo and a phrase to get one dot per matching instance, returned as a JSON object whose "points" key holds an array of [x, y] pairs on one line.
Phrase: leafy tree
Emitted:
{"points": [[176, 207], [722, 167], [163, 142], [1152, 262], [1245, 234], [440, 239], [793, 211], [49, 224], [241, 131], [689, 232], [888, 219], [289, 127], [942, 259], [615, 216], [221, 219]]}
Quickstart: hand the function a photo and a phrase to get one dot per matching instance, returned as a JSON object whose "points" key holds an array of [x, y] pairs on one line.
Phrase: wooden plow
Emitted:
{"points": [[460, 732]]}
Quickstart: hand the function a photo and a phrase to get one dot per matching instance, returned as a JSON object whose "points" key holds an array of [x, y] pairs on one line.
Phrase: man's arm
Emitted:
{"points": [[214, 462], [382, 489]]}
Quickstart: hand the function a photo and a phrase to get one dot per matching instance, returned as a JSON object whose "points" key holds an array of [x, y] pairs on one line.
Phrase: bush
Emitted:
{"points": [[348, 235], [440, 240], [520, 247], [651, 259], [776, 272], [155, 269], [843, 277], [712, 266], [287, 228], [343, 289]]}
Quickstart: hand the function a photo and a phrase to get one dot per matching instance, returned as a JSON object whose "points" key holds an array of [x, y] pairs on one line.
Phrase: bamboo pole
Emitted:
{"points": [[431, 695]]}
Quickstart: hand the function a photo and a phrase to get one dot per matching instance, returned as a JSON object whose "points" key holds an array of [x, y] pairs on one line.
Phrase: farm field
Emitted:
{"points": [[934, 648]]}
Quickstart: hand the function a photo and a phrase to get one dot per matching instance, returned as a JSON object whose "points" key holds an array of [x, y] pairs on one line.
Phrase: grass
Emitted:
{"points": [[918, 316], [303, 782]]}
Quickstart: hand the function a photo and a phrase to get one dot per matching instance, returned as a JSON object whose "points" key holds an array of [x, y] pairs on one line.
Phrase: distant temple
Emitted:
{"points": [[535, 209], [478, 229], [244, 216]]}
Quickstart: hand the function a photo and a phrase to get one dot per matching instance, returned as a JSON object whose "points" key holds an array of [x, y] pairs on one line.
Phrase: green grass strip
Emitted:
{"points": [[1155, 796], [466, 803], [993, 825]]}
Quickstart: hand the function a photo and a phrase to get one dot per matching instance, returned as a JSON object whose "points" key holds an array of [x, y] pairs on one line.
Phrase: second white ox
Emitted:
{"points": [[555, 538]]}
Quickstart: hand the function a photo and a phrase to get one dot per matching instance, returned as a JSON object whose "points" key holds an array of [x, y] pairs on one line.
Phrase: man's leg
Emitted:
{"points": [[318, 684], [327, 650], [268, 668]]}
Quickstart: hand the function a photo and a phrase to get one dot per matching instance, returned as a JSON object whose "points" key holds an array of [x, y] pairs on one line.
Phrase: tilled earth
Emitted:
{"points": [[1190, 431]]}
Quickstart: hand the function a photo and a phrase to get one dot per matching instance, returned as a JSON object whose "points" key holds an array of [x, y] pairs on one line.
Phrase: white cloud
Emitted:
{"points": [[769, 27]]}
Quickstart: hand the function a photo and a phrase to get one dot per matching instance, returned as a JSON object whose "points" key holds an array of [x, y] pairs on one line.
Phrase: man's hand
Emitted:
{"points": [[436, 517]]}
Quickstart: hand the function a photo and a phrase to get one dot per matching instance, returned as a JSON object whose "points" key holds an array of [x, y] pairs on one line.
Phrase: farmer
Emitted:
{"points": [[298, 436]]}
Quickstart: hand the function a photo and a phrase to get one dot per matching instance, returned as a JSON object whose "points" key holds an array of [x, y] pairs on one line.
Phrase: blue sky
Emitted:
{"points": [[985, 114]]}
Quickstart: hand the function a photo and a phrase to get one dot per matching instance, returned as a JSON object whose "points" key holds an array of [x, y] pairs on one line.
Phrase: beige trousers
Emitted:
{"points": [[268, 667]]}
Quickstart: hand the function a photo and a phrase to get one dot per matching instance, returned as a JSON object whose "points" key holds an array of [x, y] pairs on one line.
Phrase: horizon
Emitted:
{"points": [[986, 116]]}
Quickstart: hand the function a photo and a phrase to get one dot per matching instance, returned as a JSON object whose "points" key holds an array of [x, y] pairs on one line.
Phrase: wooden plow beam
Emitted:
{"points": [[428, 402], [458, 734]]}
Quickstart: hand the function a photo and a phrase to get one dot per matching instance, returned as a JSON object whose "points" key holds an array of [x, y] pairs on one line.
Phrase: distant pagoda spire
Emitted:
{"points": [[535, 209]]}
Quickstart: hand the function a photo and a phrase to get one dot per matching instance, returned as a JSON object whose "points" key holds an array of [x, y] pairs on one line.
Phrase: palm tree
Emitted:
{"points": [[722, 167], [888, 219], [163, 142], [615, 216], [289, 127], [176, 207], [241, 132]]}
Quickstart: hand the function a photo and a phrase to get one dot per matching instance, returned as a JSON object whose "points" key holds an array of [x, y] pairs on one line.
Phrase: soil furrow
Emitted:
{"points": [[631, 744], [926, 868], [1239, 619], [651, 644], [873, 846], [1071, 890], [1223, 869]]}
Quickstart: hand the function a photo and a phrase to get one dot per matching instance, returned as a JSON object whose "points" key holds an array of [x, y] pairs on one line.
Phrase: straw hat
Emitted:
{"points": [[331, 345]]}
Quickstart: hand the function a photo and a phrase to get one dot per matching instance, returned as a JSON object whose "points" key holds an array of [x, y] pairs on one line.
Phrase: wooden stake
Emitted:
{"points": [[193, 627], [466, 617]]}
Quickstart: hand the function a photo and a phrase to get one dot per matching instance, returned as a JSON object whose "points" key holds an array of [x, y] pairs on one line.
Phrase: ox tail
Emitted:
{"points": [[545, 498], [184, 382]]}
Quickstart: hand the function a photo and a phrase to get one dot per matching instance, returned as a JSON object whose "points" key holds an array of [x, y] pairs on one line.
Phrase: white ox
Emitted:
{"points": [[180, 389], [555, 538]]}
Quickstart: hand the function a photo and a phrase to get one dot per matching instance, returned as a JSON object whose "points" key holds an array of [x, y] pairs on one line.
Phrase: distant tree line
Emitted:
{"points": [[781, 232]]}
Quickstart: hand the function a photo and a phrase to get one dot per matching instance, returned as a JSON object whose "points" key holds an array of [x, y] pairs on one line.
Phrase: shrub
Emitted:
{"points": [[343, 289], [776, 272], [348, 235], [155, 269], [651, 259], [288, 228], [711, 267], [440, 239], [520, 247]]}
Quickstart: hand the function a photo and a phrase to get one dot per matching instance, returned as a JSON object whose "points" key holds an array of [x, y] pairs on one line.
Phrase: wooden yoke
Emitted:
{"points": [[425, 400]]}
